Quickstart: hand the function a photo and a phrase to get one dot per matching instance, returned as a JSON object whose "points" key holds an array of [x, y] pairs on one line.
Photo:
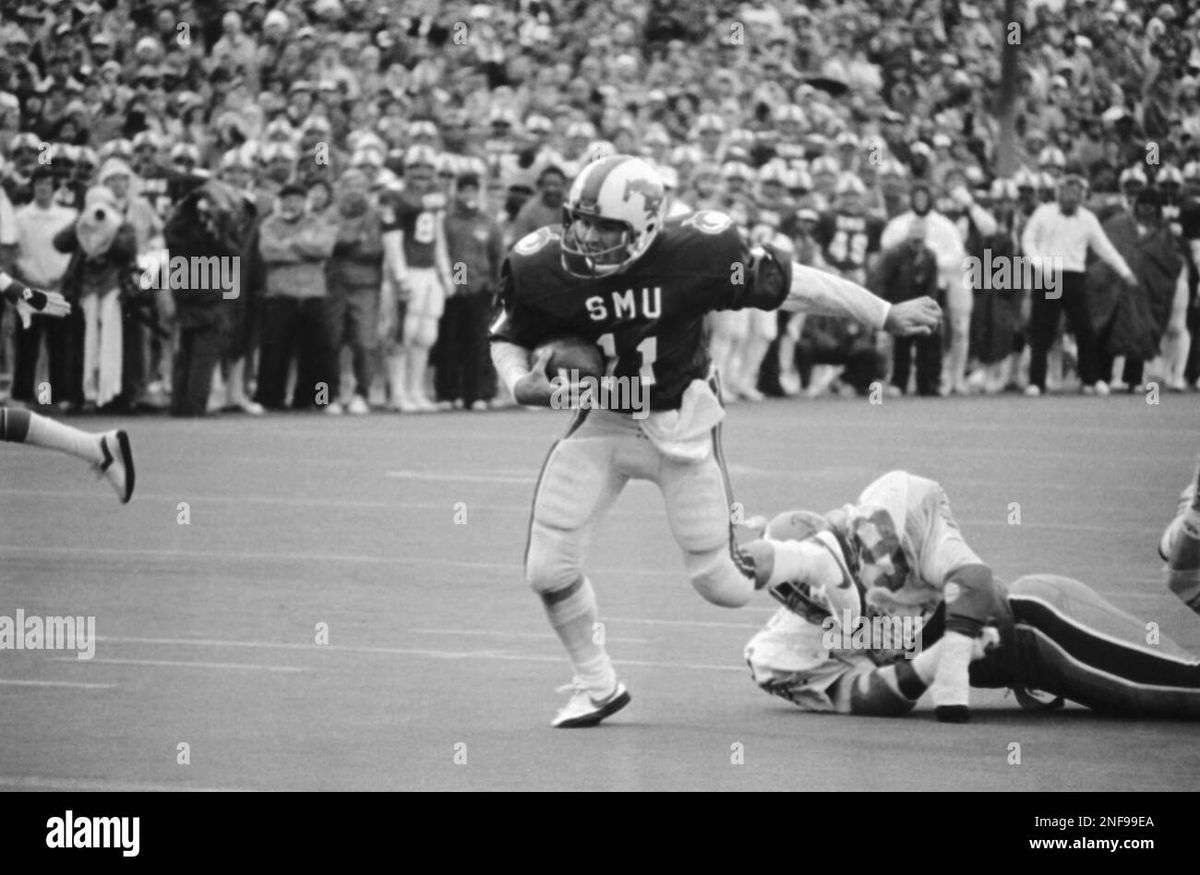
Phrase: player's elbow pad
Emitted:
{"points": [[769, 281], [975, 599]]}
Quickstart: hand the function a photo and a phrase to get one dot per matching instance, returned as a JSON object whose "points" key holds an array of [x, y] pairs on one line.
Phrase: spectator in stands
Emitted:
{"points": [[1058, 236], [294, 246], [476, 247], [40, 265], [355, 275], [543, 209], [103, 248], [906, 271]]}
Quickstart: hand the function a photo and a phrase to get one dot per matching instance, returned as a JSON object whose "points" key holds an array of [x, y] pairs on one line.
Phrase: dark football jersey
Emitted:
{"points": [[847, 240], [1189, 219], [417, 217], [156, 188], [648, 319]]}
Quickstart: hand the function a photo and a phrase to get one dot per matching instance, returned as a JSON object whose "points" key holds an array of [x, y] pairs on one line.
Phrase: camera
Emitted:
{"points": [[100, 214]]}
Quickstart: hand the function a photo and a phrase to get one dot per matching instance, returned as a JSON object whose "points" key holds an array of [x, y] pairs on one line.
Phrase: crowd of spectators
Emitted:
{"points": [[865, 135]]}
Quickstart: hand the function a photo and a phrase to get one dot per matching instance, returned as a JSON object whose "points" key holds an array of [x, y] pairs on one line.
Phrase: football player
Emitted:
{"points": [[616, 273], [418, 270], [1057, 638], [849, 237], [896, 551], [109, 453]]}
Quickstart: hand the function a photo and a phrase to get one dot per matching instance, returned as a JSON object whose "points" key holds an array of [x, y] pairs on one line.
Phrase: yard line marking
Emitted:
{"points": [[101, 497], [696, 666], [101, 785], [536, 635], [704, 623], [17, 682], [469, 478], [400, 651], [173, 662]]}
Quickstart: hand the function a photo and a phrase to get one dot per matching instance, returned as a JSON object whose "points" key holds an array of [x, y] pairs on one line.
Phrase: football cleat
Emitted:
{"points": [[1037, 700], [118, 463], [584, 710]]}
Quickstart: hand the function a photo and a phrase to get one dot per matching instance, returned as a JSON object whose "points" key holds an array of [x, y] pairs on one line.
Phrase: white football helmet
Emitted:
{"points": [[620, 189]]}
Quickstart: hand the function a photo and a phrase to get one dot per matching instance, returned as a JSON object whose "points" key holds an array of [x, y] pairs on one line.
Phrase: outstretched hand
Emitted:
{"points": [[916, 318]]}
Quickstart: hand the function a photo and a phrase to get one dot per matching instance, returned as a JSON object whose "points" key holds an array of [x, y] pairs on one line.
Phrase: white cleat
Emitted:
{"points": [[118, 463], [584, 710], [358, 406]]}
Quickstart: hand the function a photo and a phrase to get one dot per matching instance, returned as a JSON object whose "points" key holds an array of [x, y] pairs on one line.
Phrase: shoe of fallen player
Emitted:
{"points": [[117, 466], [584, 709]]}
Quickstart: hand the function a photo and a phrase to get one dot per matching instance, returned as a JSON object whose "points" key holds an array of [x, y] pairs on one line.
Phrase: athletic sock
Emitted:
{"points": [[23, 426], [951, 683], [573, 614]]}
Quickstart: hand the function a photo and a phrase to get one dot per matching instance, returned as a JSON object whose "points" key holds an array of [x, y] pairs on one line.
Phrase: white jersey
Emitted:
{"points": [[906, 545], [906, 542]]}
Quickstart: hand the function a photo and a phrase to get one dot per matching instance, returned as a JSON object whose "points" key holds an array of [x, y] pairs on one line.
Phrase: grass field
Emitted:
{"points": [[440, 670]]}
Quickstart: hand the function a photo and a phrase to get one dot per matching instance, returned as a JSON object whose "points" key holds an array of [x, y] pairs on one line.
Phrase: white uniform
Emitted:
{"points": [[907, 545]]}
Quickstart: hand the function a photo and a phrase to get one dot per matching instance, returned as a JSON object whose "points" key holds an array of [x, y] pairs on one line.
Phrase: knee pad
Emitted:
{"points": [[427, 334], [420, 330], [973, 599], [718, 579], [960, 324], [548, 568]]}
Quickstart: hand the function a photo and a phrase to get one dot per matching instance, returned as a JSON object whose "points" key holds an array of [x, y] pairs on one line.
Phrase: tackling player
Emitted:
{"points": [[1058, 639], [639, 287], [109, 453]]}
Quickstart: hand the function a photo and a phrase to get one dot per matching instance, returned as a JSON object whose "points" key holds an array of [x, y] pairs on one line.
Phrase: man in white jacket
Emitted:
{"points": [[1057, 237]]}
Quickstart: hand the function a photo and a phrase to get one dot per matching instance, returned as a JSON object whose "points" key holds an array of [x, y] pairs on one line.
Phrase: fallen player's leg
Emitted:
{"points": [[1180, 547], [108, 453], [1070, 641]]}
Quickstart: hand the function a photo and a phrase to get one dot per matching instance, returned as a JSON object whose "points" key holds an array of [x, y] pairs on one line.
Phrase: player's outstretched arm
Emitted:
{"points": [[820, 293]]}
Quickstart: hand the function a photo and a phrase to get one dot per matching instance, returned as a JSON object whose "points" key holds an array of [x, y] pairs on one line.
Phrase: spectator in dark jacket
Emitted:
{"points": [[906, 271], [1131, 319], [355, 274], [206, 234], [475, 243]]}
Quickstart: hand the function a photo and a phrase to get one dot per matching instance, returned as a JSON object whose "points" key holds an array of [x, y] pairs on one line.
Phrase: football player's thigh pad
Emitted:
{"points": [[577, 484]]}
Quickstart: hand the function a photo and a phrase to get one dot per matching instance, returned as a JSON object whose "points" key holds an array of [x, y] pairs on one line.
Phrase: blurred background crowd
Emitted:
{"points": [[872, 137]]}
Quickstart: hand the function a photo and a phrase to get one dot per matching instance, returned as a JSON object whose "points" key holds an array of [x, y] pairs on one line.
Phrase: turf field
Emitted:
{"points": [[404, 536]]}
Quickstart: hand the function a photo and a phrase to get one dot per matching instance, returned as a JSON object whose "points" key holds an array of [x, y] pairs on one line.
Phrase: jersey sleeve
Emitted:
{"points": [[520, 320], [745, 275]]}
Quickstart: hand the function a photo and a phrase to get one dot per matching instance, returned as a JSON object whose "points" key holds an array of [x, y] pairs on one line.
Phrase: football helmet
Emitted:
{"points": [[620, 189]]}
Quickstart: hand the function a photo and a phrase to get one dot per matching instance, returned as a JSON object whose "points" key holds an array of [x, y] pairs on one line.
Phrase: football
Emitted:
{"points": [[573, 354]]}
